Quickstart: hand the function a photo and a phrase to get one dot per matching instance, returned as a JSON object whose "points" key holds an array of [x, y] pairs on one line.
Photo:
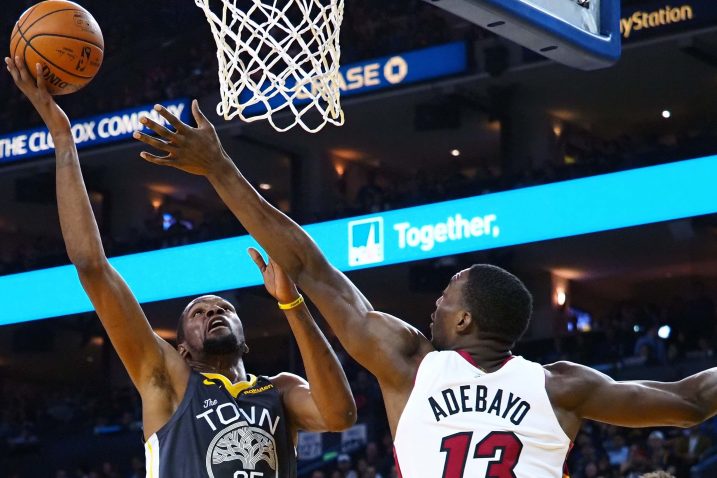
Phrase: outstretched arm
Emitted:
{"points": [[324, 403], [586, 393], [141, 351], [388, 347]]}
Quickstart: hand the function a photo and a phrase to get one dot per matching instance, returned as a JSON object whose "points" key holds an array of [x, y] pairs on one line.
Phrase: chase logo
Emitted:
{"points": [[366, 241]]}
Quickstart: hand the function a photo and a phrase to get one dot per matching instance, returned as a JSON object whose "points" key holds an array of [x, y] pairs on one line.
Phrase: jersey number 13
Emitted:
{"points": [[456, 449]]}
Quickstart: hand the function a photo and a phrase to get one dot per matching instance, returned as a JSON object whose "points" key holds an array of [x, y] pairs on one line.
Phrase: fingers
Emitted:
{"points": [[21, 68], [21, 76], [154, 142], [159, 160], [41, 85], [257, 258], [159, 129], [198, 115], [168, 160], [171, 119], [10, 64]]}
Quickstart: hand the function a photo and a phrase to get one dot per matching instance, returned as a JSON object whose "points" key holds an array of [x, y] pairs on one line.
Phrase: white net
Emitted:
{"points": [[278, 60]]}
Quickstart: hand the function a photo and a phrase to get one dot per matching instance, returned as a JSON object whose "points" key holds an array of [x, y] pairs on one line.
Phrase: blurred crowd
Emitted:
{"points": [[471, 176], [603, 451], [42, 426], [643, 334]]}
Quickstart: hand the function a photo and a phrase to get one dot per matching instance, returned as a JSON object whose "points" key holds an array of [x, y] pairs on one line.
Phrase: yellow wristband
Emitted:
{"points": [[292, 305]]}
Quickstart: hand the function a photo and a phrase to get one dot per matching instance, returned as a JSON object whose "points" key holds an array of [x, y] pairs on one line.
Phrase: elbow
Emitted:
{"points": [[89, 265], [342, 421], [697, 414], [688, 423], [699, 418]]}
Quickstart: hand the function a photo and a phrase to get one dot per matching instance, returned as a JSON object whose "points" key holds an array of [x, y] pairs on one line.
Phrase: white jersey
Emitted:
{"points": [[463, 422]]}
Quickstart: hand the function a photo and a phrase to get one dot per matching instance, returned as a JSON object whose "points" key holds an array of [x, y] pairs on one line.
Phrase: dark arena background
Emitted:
{"points": [[459, 147]]}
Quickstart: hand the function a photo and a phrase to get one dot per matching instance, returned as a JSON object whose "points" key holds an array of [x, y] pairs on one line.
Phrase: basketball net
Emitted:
{"points": [[278, 56]]}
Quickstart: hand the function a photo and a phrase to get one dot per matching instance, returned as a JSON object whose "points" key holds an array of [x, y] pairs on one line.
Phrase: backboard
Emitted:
{"points": [[583, 34]]}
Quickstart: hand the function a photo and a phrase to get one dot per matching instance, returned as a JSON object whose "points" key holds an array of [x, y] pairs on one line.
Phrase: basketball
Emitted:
{"points": [[65, 39]]}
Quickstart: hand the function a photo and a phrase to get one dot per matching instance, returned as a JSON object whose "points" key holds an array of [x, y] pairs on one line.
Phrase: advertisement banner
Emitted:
{"points": [[101, 129], [653, 19], [388, 72], [355, 438], [310, 446], [564, 209]]}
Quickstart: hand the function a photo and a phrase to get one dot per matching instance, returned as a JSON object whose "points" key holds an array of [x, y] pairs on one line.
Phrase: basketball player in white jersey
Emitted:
{"points": [[459, 404], [203, 415]]}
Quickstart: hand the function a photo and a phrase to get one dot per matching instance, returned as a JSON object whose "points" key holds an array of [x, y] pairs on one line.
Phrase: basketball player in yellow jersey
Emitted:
{"points": [[203, 415], [460, 404]]}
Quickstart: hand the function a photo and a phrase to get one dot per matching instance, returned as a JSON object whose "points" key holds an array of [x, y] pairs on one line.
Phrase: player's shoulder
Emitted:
{"points": [[404, 337], [569, 373], [570, 379], [560, 368], [285, 381], [565, 370]]}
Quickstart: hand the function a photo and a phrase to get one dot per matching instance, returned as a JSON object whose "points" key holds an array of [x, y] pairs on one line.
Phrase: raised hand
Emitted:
{"points": [[277, 283], [36, 91], [194, 150]]}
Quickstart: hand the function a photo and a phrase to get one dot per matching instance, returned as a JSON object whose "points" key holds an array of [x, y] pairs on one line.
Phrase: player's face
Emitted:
{"points": [[449, 310], [212, 327]]}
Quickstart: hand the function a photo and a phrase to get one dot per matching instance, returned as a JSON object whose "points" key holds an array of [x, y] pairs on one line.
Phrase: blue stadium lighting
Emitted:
{"points": [[664, 332], [564, 209]]}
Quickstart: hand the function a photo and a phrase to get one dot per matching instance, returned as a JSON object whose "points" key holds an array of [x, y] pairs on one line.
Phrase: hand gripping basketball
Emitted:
{"points": [[36, 91], [194, 150], [65, 38]]}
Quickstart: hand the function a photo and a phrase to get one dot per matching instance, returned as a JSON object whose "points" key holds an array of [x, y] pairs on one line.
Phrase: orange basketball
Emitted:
{"points": [[63, 37]]}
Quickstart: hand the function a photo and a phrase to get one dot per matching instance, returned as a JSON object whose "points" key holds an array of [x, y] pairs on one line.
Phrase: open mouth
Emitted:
{"points": [[216, 324]]}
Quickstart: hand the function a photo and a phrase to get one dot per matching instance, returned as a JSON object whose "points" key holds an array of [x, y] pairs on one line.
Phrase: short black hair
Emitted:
{"points": [[498, 301]]}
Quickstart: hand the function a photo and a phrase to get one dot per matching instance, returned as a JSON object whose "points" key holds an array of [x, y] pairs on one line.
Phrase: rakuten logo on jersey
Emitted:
{"points": [[455, 228]]}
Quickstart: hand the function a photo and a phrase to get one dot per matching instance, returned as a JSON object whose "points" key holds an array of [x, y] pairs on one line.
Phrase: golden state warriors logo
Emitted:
{"points": [[242, 451]]}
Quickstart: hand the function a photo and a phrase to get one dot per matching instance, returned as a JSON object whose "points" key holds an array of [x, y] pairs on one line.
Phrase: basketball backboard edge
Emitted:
{"points": [[540, 31]]}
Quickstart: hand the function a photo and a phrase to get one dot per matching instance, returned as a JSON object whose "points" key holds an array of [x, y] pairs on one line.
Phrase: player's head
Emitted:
{"points": [[484, 302], [209, 326]]}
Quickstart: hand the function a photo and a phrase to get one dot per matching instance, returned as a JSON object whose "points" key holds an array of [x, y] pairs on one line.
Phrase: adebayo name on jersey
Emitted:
{"points": [[478, 399]]}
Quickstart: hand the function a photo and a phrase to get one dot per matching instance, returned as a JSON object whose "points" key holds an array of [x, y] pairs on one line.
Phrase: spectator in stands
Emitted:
{"points": [[651, 347], [617, 451], [677, 348], [591, 470], [371, 196], [138, 468], [658, 452], [637, 461], [344, 466], [704, 347], [692, 445], [373, 457], [700, 318]]}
